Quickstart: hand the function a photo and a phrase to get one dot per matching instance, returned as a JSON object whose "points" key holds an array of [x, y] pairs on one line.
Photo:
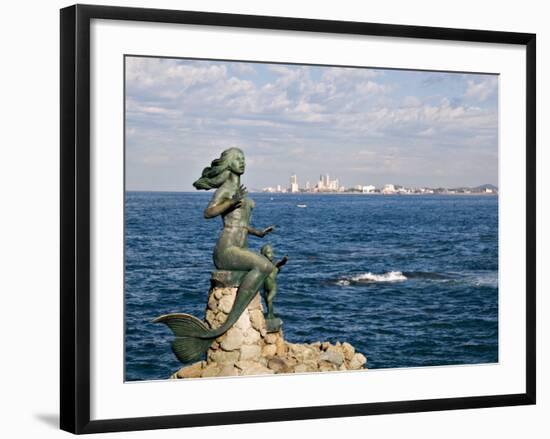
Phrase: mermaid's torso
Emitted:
{"points": [[235, 229]]}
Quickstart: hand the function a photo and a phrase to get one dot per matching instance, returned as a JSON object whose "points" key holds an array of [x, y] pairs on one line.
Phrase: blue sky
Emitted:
{"points": [[362, 125]]}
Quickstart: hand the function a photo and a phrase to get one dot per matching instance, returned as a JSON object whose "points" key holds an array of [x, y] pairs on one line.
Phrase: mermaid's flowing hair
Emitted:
{"points": [[215, 175]]}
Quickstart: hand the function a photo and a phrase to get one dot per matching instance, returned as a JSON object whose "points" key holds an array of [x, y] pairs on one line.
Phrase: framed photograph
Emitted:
{"points": [[274, 218]]}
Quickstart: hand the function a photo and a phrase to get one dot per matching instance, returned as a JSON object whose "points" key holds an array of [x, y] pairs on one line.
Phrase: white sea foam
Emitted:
{"points": [[391, 276], [486, 280]]}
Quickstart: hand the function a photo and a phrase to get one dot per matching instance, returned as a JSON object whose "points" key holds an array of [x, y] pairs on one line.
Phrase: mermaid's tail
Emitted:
{"points": [[193, 337]]}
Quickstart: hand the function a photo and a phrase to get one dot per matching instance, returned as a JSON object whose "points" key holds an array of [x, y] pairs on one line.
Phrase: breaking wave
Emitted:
{"points": [[391, 276]]}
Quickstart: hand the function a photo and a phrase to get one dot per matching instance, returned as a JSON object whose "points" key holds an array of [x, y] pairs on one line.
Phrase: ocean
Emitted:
{"points": [[408, 280]]}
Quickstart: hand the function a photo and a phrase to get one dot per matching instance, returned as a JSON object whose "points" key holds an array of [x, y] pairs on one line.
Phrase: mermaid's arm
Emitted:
{"points": [[215, 209], [223, 200], [260, 233]]}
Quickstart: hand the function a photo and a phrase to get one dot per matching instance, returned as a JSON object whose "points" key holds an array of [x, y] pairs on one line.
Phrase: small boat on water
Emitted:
{"points": [[301, 205]]}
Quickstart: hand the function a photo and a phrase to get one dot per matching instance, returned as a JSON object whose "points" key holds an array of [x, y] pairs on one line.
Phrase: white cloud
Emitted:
{"points": [[370, 87], [411, 101], [482, 89], [143, 72]]}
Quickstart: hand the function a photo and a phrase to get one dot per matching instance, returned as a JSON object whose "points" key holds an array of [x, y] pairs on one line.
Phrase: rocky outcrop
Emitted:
{"points": [[248, 349]]}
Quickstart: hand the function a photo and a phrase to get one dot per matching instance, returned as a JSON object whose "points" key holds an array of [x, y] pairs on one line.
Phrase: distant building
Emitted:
{"points": [[325, 184], [294, 183], [388, 189]]}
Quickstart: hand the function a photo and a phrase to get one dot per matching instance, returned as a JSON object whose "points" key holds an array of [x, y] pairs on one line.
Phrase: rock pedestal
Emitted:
{"points": [[247, 348]]}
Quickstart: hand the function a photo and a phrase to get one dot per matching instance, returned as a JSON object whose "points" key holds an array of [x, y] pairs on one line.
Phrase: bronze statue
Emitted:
{"points": [[230, 200], [273, 323]]}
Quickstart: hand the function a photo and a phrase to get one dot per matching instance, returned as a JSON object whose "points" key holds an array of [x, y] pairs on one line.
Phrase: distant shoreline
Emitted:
{"points": [[327, 193]]}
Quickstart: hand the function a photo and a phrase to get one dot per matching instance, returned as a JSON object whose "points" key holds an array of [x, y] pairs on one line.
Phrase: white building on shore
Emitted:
{"points": [[325, 184], [294, 184]]}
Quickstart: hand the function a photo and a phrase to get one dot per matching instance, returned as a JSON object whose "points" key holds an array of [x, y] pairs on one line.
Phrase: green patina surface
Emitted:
{"points": [[227, 278]]}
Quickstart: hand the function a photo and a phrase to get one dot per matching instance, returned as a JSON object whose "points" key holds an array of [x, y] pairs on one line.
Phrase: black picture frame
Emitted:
{"points": [[75, 216]]}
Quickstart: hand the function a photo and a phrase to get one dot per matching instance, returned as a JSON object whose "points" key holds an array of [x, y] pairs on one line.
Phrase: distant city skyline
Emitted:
{"points": [[326, 184], [366, 126]]}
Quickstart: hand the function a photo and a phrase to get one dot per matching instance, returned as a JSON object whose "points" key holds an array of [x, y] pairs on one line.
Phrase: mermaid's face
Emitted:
{"points": [[236, 164], [268, 253]]}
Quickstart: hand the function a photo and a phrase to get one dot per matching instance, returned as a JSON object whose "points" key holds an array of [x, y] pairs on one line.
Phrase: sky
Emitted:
{"points": [[360, 125]]}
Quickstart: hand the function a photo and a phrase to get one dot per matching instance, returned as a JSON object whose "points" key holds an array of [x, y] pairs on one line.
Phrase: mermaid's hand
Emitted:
{"points": [[282, 262], [267, 230], [239, 196]]}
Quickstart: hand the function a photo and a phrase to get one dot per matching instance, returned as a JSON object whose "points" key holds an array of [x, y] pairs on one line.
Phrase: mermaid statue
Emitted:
{"points": [[230, 201]]}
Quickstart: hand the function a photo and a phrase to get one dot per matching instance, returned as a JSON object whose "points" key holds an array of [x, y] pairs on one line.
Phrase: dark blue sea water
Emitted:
{"points": [[408, 280]]}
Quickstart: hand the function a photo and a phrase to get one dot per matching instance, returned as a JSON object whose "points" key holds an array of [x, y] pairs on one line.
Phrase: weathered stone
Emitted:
{"points": [[289, 361], [279, 365], [226, 303], [282, 347], [250, 352], [263, 332], [325, 345], [229, 291], [223, 357], [232, 340], [220, 318], [334, 355], [311, 365], [300, 368], [257, 319], [213, 302], [210, 318], [218, 293], [256, 303], [243, 322], [271, 338], [253, 368], [349, 351], [316, 345], [269, 350], [243, 364], [309, 353], [211, 370], [193, 371], [228, 370], [295, 348], [357, 361], [327, 366], [251, 336], [302, 351]]}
